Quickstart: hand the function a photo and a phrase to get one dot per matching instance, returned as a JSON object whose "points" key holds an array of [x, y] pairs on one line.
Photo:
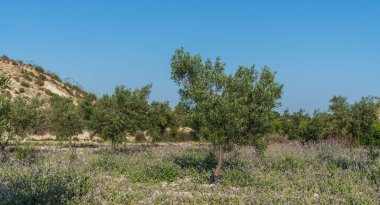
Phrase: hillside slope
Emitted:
{"points": [[29, 81]]}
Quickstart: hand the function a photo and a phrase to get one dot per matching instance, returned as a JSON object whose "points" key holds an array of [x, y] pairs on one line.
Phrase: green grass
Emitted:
{"points": [[179, 174]]}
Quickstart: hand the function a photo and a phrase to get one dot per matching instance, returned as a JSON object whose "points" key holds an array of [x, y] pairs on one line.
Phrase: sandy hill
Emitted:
{"points": [[28, 81]]}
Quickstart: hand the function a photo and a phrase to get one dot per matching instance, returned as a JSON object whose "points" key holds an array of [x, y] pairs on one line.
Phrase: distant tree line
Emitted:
{"points": [[358, 123]]}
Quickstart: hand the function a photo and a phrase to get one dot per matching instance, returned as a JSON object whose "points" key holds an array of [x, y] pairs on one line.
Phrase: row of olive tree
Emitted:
{"points": [[358, 122], [111, 117]]}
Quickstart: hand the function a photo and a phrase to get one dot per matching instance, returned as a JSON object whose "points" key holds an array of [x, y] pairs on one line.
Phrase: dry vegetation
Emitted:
{"points": [[288, 173]]}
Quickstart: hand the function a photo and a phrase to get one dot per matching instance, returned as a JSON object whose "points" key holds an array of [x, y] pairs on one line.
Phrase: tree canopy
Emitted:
{"points": [[124, 112]]}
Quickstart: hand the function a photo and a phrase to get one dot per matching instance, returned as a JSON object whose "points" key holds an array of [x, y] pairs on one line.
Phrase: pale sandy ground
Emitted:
{"points": [[86, 136], [54, 89]]}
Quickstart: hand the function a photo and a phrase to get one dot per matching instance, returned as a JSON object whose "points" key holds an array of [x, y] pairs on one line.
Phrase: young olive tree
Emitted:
{"points": [[18, 117], [125, 112], [86, 108], [363, 118], [65, 119], [161, 121], [226, 109], [341, 116]]}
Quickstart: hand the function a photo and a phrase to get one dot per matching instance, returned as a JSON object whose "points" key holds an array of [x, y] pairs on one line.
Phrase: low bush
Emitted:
{"points": [[54, 76], [25, 84], [375, 134], [40, 82], [39, 69]]}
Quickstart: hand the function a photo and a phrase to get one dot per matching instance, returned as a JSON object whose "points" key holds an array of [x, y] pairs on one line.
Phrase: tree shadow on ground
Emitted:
{"points": [[200, 163]]}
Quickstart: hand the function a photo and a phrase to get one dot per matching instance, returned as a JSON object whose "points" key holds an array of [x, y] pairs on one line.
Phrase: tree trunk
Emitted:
{"points": [[113, 146], [220, 161], [72, 147], [2, 153], [216, 177]]}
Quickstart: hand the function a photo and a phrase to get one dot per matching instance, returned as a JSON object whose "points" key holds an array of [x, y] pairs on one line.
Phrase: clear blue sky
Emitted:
{"points": [[318, 48]]}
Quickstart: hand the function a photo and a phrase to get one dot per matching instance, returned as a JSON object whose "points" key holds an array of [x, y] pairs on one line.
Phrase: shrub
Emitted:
{"points": [[25, 84], [162, 172], [42, 76], [5, 58], [21, 90], [39, 69], [48, 92], [4, 81], [40, 82], [54, 76], [375, 134], [25, 153], [140, 137], [363, 117], [26, 75]]}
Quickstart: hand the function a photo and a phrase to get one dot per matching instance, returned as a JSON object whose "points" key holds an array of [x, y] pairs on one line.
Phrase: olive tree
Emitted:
{"points": [[341, 116], [86, 108], [226, 109], [363, 118], [161, 121], [65, 119], [125, 112], [18, 117]]}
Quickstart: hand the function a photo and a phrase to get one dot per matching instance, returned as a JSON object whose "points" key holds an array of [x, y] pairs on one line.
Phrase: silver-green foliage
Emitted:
{"points": [[226, 109], [162, 121], [65, 119], [124, 112]]}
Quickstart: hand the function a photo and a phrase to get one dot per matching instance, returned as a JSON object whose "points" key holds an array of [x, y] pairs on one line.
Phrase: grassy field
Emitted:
{"points": [[179, 174]]}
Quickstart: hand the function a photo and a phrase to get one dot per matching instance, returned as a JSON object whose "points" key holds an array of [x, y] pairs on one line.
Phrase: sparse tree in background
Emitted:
{"points": [[125, 112], [364, 117], [340, 118], [162, 121], [25, 116], [17, 118], [65, 119], [182, 115], [225, 109], [295, 125], [86, 109]]}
